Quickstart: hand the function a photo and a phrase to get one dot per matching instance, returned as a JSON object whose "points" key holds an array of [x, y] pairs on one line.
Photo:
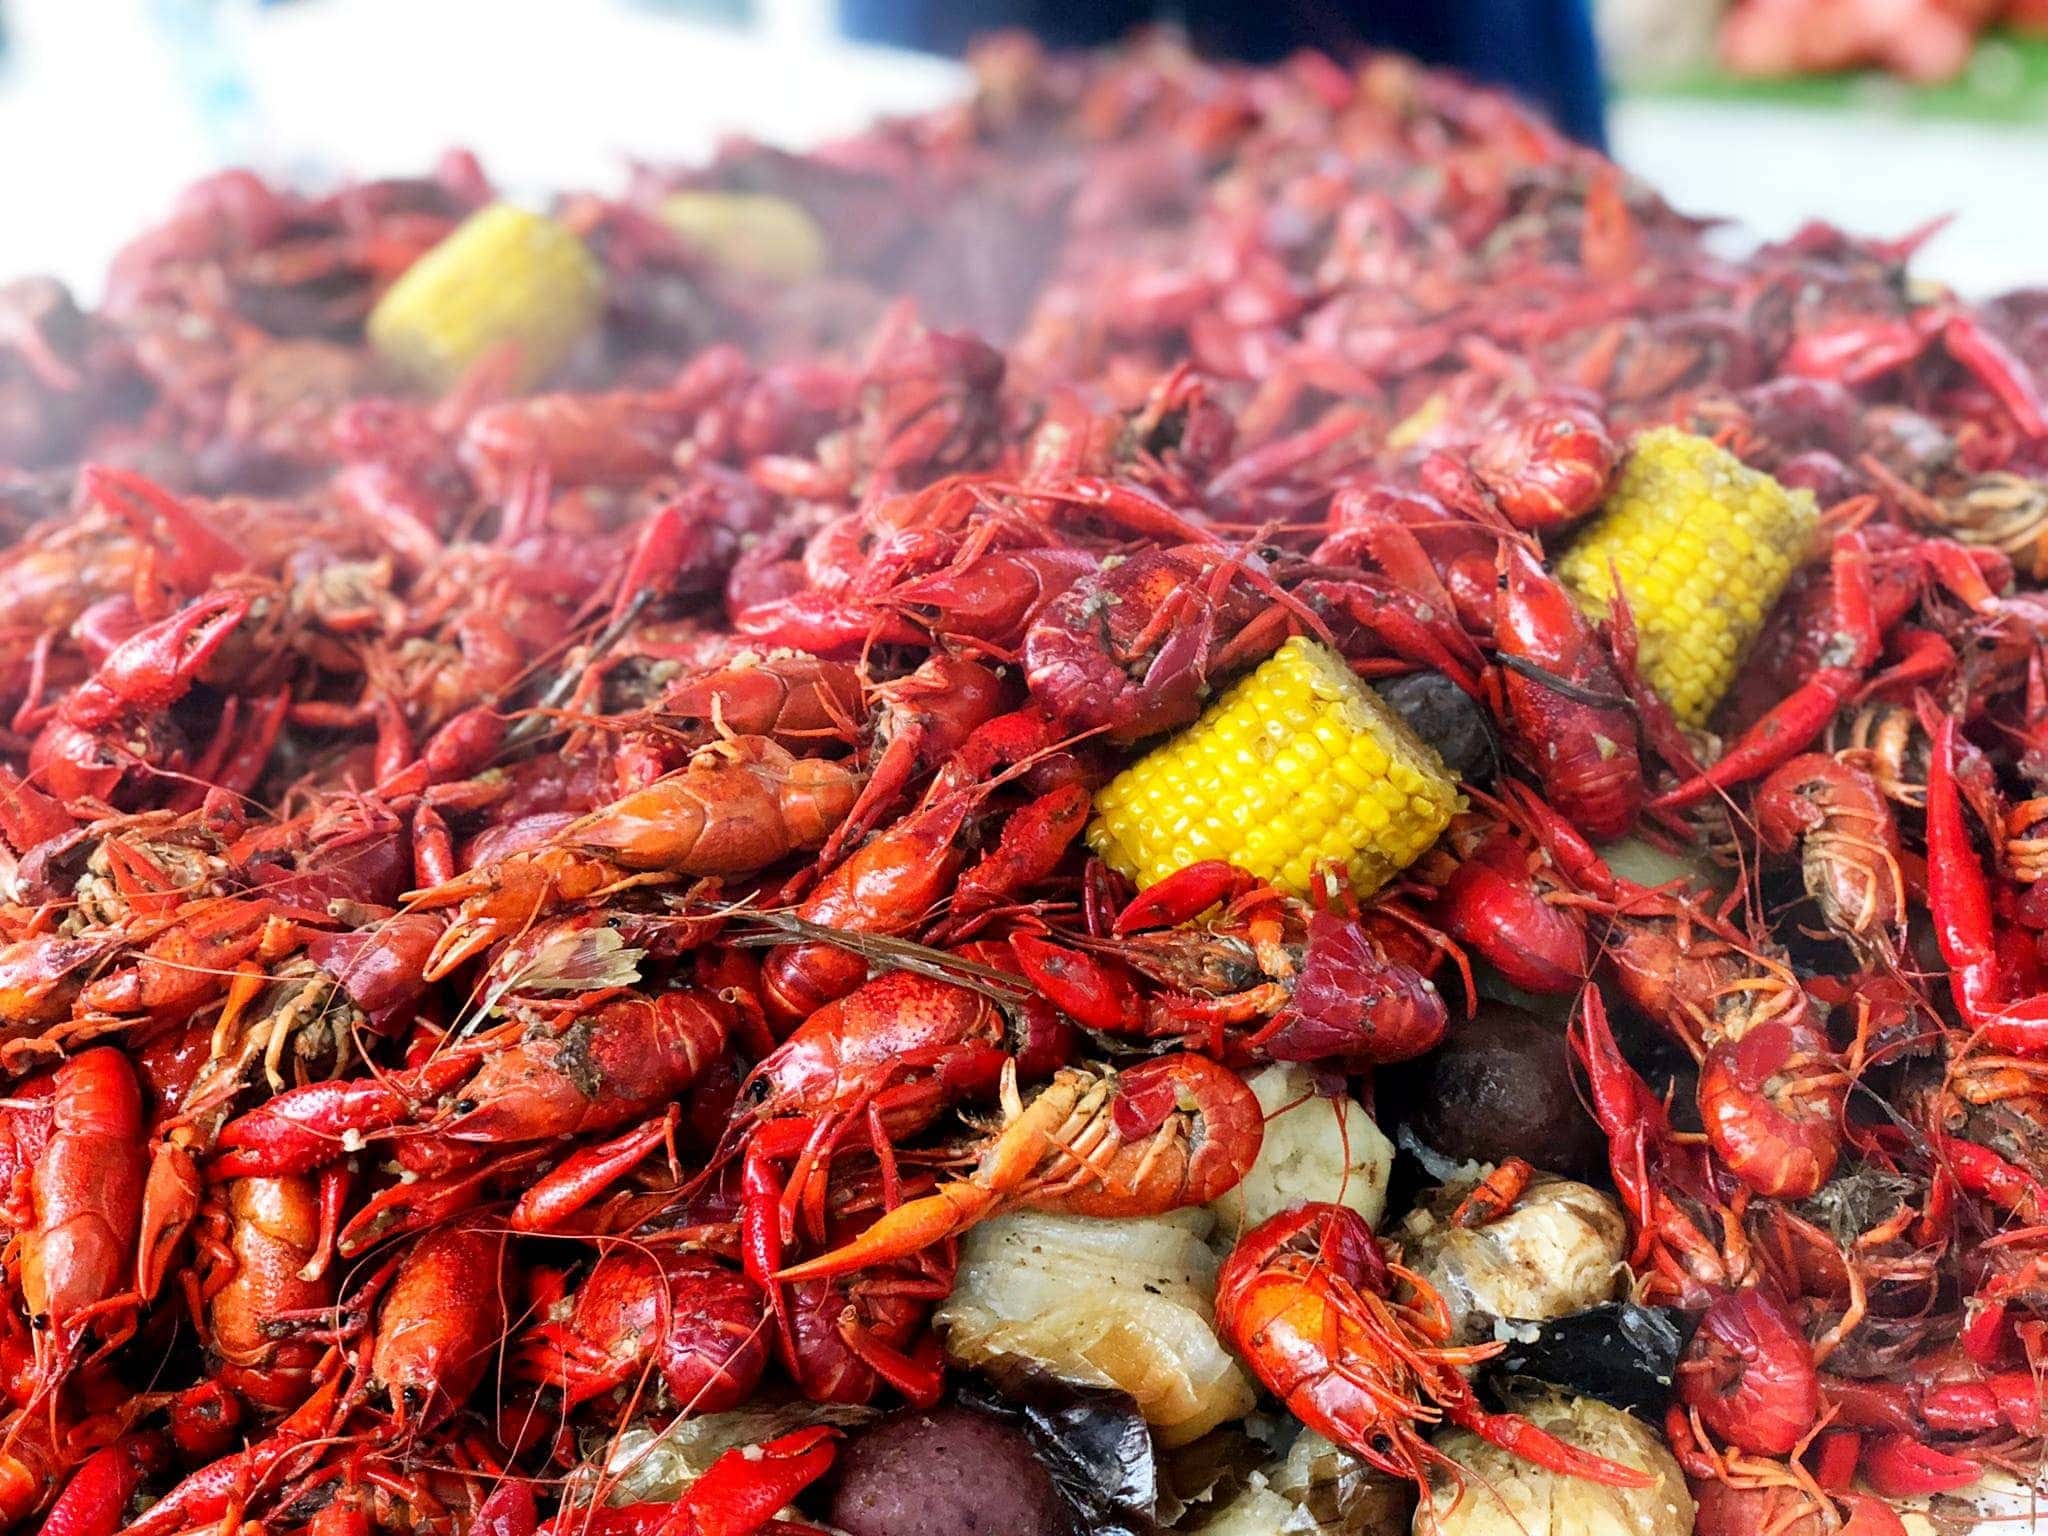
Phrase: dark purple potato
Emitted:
{"points": [[1444, 715], [950, 1472], [1500, 1086]]}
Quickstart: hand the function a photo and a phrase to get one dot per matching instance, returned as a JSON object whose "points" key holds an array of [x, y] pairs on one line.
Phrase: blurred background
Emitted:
{"points": [[1877, 114]]}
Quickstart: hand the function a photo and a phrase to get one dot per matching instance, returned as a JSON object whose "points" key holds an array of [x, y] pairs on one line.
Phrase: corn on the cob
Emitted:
{"points": [[749, 232], [1297, 766], [504, 275], [1703, 545]]}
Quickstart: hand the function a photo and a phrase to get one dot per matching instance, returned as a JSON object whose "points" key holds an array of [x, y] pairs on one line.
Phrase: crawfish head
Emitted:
{"points": [[1353, 1002], [1551, 465], [1749, 1374], [1130, 649], [1772, 1104]]}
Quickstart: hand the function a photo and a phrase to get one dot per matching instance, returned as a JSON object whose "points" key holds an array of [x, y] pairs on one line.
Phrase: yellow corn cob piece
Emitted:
{"points": [[749, 232], [1703, 545], [1298, 766], [504, 275]]}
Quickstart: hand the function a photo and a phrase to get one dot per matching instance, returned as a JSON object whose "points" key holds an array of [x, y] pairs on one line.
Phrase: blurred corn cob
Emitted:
{"points": [[504, 277], [1297, 766], [749, 232], [1702, 545]]}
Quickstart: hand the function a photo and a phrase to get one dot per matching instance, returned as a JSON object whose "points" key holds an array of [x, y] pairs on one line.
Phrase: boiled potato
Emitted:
{"points": [[1316, 1148], [1558, 1250], [1499, 1494], [1316, 1487], [949, 1472], [1128, 1304], [1499, 1086]]}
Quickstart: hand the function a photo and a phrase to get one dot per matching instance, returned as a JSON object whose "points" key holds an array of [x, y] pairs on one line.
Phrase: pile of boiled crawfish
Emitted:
{"points": [[503, 888]]}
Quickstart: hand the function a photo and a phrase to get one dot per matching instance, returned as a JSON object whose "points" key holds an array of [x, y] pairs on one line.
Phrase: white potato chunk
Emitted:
{"points": [[1316, 1148], [1258, 1511], [1316, 1487], [1500, 1494], [1557, 1251], [1128, 1304]]}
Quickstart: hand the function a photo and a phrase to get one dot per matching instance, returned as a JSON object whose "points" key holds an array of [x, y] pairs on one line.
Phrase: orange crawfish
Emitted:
{"points": [[1848, 841], [792, 699], [737, 807], [1308, 1301], [261, 1244], [511, 1098], [1171, 1132]]}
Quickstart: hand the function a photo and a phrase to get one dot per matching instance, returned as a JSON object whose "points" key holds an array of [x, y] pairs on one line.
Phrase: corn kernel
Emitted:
{"points": [[1702, 545], [1295, 766], [503, 277], [749, 232]]}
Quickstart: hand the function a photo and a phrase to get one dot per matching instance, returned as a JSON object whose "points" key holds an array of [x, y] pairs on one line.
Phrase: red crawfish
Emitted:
{"points": [[738, 1494], [1796, 721], [1772, 1085], [112, 730], [78, 1254], [1310, 985], [1505, 900], [1860, 349], [1360, 1349], [988, 594], [737, 807], [1564, 701], [96, 1497], [573, 439], [892, 883], [1743, 1495], [924, 719], [1130, 651], [41, 1453], [442, 1321], [887, 1058], [1555, 686], [1959, 899], [1171, 1132], [1545, 464], [697, 1322], [490, 1106], [1688, 1244], [1842, 825], [1748, 1372]]}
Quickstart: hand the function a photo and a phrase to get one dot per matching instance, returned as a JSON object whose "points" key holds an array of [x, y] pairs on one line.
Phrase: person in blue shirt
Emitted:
{"points": [[1543, 50]]}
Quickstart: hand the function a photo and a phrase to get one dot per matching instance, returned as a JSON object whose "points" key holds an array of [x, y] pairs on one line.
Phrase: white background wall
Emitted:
{"points": [[108, 106]]}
